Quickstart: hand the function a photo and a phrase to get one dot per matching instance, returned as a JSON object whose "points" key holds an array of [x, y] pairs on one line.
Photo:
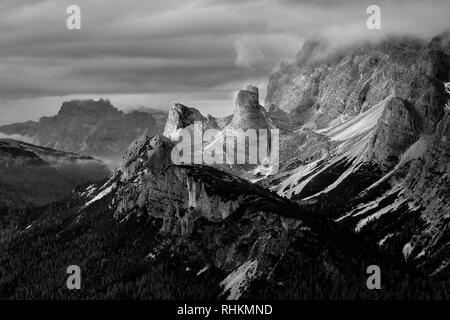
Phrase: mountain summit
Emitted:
{"points": [[249, 114]]}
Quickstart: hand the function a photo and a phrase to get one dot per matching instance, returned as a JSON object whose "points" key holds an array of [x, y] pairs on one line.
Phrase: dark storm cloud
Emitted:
{"points": [[178, 48], [138, 48]]}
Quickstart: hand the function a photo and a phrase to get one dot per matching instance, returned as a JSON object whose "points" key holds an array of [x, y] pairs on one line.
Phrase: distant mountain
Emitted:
{"points": [[89, 127], [33, 175]]}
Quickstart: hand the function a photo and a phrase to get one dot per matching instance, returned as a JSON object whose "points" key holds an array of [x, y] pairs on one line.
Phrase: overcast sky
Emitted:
{"points": [[154, 52]]}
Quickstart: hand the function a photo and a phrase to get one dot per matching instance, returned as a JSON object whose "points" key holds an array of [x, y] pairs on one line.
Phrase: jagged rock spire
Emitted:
{"points": [[248, 113]]}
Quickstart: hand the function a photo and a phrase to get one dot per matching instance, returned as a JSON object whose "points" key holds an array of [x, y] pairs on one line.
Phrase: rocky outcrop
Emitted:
{"points": [[248, 113], [183, 117], [88, 127], [151, 154]]}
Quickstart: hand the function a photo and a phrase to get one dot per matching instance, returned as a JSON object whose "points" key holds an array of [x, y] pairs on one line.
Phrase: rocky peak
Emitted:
{"points": [[248, 114], [88, 107], [254, 90], [313, 49], [146, 155], [181, 116], [248, 98]]}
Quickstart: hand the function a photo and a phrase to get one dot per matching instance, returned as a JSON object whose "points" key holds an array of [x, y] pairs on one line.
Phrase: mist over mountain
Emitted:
{"points": [[33, 175], [159, 115]]}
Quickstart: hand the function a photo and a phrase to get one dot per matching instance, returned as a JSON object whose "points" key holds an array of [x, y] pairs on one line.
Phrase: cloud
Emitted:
{"points": [[248, 53], [18, 137], [168, 50]]}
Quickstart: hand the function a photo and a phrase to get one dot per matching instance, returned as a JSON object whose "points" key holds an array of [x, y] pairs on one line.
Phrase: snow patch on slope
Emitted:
{"points": [[238, 281], [387, 237], [365, 207], [101, 195], [292, 182], [203, 270], [407, 249], [378, 214], [353, 137], [363, 123], [357, 152]]}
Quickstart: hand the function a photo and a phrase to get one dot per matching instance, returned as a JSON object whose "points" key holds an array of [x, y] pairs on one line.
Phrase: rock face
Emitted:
{"points": [[32, 175], [88, 127], [381, 113], [428, 181], [349, 81], [396, 130]]}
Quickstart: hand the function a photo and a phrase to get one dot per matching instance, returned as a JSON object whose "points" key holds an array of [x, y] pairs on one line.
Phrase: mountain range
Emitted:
{"points": [[363, 179]]}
